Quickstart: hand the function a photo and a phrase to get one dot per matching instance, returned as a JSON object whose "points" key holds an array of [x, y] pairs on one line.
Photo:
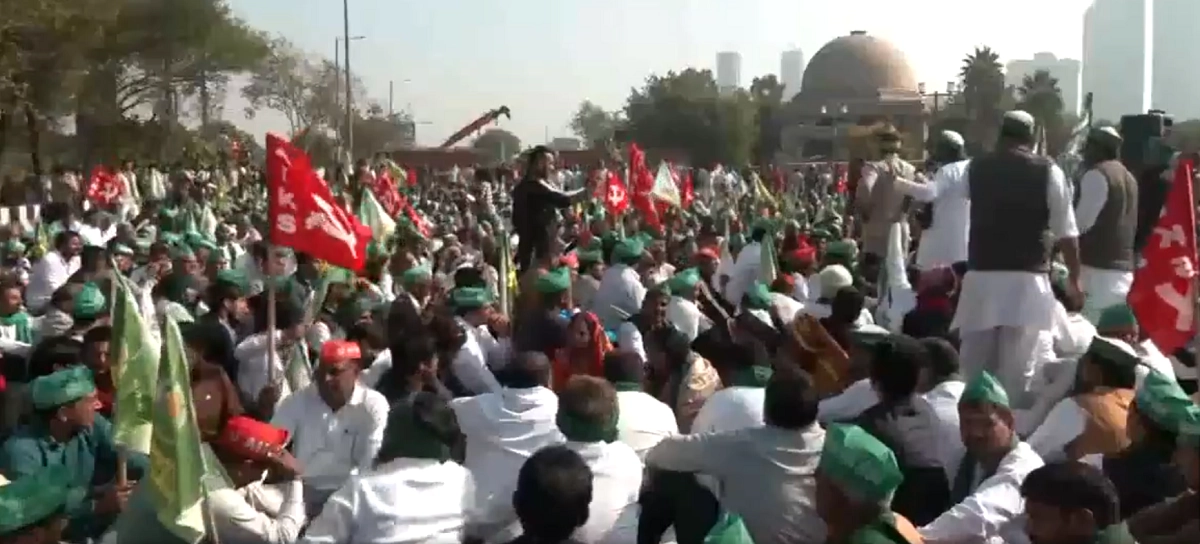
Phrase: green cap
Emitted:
{"points": [[684, 281], [89, 303], [122, 249], [554, 281], [985, 389], [1119, 316], [1163, 401], [217, 255], [859, 462], [14, 246], [737, 240], [845, 249], [32, 499], [415, 275], [470, 298], [337, 274], [869, 335], [236, 278], [182, 251], [590, 256], [62, 387], [758, 297], [628, 250], [1113, 350]]}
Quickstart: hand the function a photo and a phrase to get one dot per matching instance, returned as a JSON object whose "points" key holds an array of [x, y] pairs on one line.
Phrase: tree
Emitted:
{"points": [[767, 93], [593, 124], [497, 144], [1040, 96], [983, 95], [1185, 136], [684, 111], [304, 89]]}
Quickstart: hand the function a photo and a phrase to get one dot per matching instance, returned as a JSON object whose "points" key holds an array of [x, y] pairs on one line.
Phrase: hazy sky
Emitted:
{"points": [[452, 60]]}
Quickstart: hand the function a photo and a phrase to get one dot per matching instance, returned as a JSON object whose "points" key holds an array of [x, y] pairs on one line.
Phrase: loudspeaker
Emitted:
{"points": [[1141, 137]]}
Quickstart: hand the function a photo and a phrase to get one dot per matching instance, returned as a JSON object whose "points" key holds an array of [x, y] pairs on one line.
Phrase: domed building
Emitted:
{"points": [[854, 82]]}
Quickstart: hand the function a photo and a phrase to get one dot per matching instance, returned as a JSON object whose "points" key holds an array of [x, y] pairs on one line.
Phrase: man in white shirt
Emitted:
{"points": [[53, 271], [1006, 300], [621, 291], [470, 363], [414, 493], [944, 238], [646, 420], [336, 423], [1106, 210], [502, 430]]}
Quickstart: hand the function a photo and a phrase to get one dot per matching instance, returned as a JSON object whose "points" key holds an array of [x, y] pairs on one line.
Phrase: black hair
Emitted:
{"points": [[847, 305], [92, 258], [553, 495], [52, 354], [209, 342], [942, 358], [63, 237], [535, 155], [791, 400], [1072, 485], [1114, 374], [623, 366], [896, 366], [97, 334], [528, 369]]}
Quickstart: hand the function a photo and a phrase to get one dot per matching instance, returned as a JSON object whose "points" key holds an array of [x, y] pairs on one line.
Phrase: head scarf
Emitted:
{"points": [[587, 360]]}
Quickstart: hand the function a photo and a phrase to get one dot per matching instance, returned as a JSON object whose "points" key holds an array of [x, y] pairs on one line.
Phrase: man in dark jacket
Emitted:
{"points": [[534, 203]]}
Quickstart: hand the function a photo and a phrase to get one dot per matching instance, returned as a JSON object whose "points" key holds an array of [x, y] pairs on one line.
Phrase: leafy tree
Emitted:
{"points": [[1040, 96], [305, 90], [593, 124], [497, 144], [983, 95], [1185, 136], [684, 111], [767, 93]]}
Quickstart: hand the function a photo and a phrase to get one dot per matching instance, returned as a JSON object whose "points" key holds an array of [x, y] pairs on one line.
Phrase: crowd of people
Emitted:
{"points": [[941, 357]]}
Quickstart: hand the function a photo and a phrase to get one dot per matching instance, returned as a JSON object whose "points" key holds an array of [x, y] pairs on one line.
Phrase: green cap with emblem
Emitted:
{"points": [[1115, 317], [470, 298], [684, 281], [34, 498], [1163, 401], [415, 275], [236, 278], [758, 296], [63, 387], [860, 463], [628, 251], [985, 389]]}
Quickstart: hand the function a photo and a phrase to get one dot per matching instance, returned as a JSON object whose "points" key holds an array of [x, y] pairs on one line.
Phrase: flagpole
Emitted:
{"points": [[122, 456]]}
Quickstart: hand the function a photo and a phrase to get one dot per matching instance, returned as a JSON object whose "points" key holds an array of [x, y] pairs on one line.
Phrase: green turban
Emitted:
{"points": [[985, 389], [589, 256], [684, 281], [628, 251], [32, 499], [89, 303], [554, 281], [470, 298], [415, 275], [1119, 316], [62, 387], [758, 297], [842, 249], [1163, 401], [865, 468]]}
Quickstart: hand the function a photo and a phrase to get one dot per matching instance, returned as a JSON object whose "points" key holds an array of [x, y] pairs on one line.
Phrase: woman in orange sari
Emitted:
{"points": [[587, 344]]}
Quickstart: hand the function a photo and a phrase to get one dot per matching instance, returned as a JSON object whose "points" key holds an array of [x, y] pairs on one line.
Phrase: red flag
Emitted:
{"points": [[386, 193], [103, 187], [616, 200], [412, 177], [1163, 292], [687, 193], [642, 182], [303, 213], [419, 222]]}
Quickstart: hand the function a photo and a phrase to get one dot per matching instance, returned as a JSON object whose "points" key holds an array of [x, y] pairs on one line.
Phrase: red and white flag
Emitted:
{"points": [[303, 213], [103, 187], [1164, 287]]}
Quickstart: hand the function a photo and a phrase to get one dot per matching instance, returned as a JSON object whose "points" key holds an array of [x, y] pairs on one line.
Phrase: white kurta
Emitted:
{"points": [[993, 511], [616, 484], [621, 292], [945, 241], [254, 371], [687, 317], [331, 445], [943, 398], [629, 339], [1000, 313], [470, 364], [730, 409], [48, 274], [1103, 288], [744, 272], [502, 430], [848, 404], [246, 516], [403, 500], [646, 422], [8, 338]]}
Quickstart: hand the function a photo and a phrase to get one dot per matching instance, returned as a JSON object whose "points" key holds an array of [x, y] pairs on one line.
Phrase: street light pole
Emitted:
{"points": [[349, 86]]}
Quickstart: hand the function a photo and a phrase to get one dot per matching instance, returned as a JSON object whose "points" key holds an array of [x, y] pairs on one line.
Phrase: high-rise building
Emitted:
{"points": [[1118, 48], [791, 72], [1066, 71], [1176, 83], [729, 71]]}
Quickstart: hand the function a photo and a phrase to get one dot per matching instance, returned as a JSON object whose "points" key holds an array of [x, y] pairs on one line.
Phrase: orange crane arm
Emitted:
{"points": [[482, 121]]}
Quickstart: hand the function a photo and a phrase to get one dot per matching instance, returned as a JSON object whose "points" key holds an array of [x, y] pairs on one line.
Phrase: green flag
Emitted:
{"points": [[134, 356], [372, 214], [177, 466], [298, 371]]}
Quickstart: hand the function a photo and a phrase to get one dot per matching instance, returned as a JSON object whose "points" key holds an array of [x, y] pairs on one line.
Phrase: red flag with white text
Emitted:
{"points": [[103, 187], [386, 192], [1163, 293], [303, 213]]}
